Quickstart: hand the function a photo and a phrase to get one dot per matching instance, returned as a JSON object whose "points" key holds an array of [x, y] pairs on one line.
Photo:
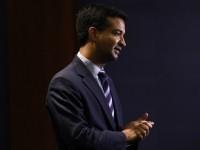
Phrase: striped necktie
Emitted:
{"points": [[103, 77]]}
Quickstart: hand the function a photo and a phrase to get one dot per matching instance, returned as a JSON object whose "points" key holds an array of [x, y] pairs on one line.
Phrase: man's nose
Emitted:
{"points": [[122, 42]]}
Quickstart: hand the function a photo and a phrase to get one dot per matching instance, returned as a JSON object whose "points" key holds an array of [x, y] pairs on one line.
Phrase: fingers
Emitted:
{"points": [[141, 134], [140, 128], [143, 129], [148, 123]]}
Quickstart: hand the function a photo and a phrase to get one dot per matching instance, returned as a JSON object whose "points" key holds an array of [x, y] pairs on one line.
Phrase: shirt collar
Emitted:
{"points": [[93, 68]]}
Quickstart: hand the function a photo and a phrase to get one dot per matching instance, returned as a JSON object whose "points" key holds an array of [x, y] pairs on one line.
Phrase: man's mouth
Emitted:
{"points": [[118, 49]]}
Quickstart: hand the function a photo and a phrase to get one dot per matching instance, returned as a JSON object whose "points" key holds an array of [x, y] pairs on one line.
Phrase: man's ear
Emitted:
{"points": [[92, 34]]}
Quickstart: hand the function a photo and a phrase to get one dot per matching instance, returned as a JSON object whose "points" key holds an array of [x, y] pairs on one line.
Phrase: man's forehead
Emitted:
{"points": [[117, 24]]}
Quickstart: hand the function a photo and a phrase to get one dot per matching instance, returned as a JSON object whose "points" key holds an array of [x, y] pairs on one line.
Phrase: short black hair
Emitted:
{"points": [[95, 15]]}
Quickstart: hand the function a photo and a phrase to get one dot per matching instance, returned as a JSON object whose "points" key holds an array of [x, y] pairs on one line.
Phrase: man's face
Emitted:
{"points": [[110, 41]]}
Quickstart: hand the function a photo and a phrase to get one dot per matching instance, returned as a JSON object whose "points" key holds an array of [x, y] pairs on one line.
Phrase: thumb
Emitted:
{"points": [[143, 117]]}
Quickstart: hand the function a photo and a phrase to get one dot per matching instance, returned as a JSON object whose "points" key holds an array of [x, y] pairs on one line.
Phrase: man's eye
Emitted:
{"points": [[116, 33]]}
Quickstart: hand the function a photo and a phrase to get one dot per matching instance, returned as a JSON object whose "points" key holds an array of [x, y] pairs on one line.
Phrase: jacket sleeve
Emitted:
{"points": [[66, 108]]}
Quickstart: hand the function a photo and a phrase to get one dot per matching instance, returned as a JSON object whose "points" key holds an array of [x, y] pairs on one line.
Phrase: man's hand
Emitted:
{"points": [[138, 129]]}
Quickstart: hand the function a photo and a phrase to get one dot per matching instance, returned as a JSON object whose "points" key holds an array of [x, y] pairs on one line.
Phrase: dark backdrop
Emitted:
{"points": [[159, 71], [4, 126]]}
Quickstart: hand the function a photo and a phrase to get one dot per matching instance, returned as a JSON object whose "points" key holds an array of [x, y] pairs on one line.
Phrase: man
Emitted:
{"points": [[82, 100]]}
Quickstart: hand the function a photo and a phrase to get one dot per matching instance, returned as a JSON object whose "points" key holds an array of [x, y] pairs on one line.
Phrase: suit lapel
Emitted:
{"points": [[91, 83]]}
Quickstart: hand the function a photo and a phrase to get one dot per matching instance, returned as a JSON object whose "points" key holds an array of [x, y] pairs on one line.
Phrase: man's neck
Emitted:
{"points": [[88, 52]]}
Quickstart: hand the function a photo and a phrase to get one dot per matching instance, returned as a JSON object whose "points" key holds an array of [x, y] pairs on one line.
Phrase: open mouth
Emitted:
{"points": [[117, 49]]}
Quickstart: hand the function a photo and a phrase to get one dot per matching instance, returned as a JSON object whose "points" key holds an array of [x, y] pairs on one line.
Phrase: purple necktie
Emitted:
{"points": [[106, 88]]}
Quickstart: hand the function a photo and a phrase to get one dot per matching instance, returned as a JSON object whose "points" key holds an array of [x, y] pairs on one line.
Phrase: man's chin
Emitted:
{"points": [[115, 56]]}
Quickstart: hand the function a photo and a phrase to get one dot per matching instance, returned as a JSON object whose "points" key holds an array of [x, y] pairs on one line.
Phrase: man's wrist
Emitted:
{"points": [[125, 134], [130, 135]]}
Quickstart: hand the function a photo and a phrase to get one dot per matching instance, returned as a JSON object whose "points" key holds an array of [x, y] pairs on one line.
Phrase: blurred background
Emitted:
{"points": [[158, 72]]}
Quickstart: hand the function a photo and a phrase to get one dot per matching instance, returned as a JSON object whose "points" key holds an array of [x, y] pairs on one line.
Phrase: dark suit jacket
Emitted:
{"points": [[79, 112]]}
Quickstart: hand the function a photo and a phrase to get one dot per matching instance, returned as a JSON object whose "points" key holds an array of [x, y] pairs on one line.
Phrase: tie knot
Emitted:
{"points": [[102, 76]]}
